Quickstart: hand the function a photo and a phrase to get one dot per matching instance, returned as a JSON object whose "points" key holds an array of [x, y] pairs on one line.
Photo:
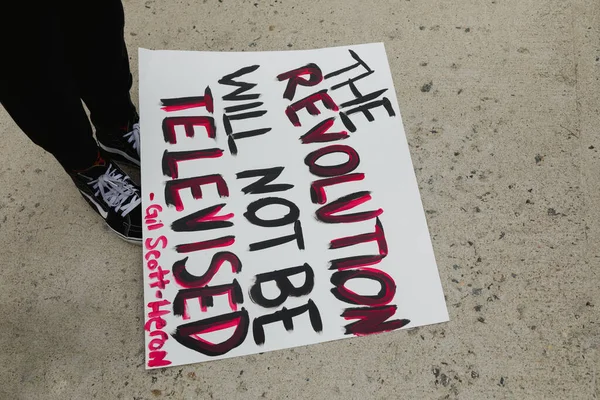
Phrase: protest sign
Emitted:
{"points": [[280, 204]]}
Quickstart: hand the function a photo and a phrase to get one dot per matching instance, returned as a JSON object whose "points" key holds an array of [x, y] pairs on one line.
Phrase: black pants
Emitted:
{"points": [[57, 54]]}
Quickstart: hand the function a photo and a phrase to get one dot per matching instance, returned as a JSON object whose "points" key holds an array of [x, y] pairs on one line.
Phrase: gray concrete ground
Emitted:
{"points": [[500, 100]]}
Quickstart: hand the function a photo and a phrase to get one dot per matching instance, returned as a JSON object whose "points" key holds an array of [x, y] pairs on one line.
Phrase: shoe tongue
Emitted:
{"points": [[93, 172], [128, 127], [100, 166]]}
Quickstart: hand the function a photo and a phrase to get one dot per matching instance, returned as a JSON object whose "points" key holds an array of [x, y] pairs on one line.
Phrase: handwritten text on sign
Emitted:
{"points": [[280, 204]]}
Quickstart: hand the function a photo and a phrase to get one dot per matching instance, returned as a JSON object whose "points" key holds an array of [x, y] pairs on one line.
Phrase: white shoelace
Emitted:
{"points": [[133, 137], [116, 191]]}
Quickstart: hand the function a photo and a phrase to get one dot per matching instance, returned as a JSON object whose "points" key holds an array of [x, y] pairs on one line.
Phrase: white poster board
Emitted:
{"points": [[281, 207]]}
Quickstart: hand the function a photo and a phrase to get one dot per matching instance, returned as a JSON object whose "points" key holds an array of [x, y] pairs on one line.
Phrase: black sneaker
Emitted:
{"points": [[114, 196], [123, 144]]}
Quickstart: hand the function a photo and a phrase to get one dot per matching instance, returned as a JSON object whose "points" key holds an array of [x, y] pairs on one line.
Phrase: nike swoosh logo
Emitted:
{"points": [[100, 209]]}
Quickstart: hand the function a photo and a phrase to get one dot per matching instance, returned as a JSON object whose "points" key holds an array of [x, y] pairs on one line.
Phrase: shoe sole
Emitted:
{"points": [[118, 152], [102, 213], [137, 242]]}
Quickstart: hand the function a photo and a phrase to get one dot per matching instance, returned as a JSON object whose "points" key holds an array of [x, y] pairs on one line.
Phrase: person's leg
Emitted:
{"points": [[97, 48], [38, 90]]}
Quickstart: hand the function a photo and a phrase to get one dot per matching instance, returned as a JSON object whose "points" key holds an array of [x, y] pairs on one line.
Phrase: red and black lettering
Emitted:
{"points": [[355, 262], [188, 123], [383, 297], [187, 280], [189, 334], [372, 320], [296, 77], [309, 103], [320, 133], [317, 188], [224, 241], [377, 236], [350, 83], [365, 102], [227, 118], [171, 158], [366, 110], [326, 213], [297, 236], [203, 220], [231, 137], [251, 213], [184, 103], [206, 295], [172, 188], [285, 286], [240, 112], [243, 107], [267, 175], [286, 316], [239, 117], [360, 99], [332, 170], [359, 62], [242, 87]]}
